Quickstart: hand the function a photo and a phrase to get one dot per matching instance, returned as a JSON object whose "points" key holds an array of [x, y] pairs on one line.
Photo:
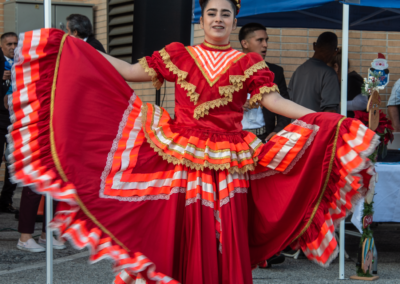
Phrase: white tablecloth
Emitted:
{"points": [[387, 195]]}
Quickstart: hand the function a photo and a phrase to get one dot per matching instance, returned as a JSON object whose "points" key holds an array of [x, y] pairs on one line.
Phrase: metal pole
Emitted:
{"points": [[49, 200], [343, 111], [192, 27]]}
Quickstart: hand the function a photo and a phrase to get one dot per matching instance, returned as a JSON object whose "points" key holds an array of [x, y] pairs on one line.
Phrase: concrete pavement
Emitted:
{"points": [[71, 266]]}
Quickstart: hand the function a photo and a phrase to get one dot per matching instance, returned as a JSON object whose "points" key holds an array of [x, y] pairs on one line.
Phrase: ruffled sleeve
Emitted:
{"points": [[261, 81], [159, 66]]}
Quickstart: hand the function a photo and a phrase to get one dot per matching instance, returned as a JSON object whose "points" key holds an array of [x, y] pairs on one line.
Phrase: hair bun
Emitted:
{"points": [[235, 2]]}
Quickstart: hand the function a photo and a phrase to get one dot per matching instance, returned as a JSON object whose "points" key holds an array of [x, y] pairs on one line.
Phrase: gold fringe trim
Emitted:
{"points": [[227, 91], [194, 166], [327, 178], [256, 99], [182, 75], [55, 155], [152, 73], [238, 80], [204, 109]]}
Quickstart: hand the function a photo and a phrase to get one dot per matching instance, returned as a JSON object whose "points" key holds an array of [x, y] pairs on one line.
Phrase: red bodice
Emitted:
{"points": [[211, 83]]}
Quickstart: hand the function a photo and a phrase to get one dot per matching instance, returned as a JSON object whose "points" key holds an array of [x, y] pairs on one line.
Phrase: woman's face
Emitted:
{"points": [[218, 21]]}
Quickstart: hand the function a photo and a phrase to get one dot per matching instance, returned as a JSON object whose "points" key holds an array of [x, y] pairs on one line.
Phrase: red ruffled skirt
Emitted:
{"points": [[171, 204]]}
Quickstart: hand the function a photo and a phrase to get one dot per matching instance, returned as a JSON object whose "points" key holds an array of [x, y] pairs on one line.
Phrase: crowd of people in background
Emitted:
{"points": [[315, 85]]}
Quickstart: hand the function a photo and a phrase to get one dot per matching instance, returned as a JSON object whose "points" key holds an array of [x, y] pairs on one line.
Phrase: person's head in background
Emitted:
{"points": [[79, 26], [254, 38], [336, 64], [9, 41], [326, 47]]}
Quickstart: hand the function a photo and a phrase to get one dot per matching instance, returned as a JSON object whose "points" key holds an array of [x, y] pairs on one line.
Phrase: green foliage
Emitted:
{"points": [[370, 84], [361, 273], [368, 209]]}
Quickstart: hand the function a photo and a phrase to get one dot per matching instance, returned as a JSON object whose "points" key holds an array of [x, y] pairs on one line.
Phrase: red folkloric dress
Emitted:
{"points": [[193, 199]]}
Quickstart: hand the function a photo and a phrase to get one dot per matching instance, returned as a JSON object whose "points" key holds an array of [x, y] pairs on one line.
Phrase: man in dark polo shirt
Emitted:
{"points": [[254, 38], [314, 84]]}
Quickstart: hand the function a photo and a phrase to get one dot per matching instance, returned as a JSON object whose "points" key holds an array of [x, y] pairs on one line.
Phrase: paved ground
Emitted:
{"points": [[71, 266]]}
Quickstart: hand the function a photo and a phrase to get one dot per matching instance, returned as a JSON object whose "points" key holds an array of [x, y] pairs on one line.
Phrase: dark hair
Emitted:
{"points": [[81, 24], [9, 34], [248, 29], [327, 40], [337, 59], [204, 3]]}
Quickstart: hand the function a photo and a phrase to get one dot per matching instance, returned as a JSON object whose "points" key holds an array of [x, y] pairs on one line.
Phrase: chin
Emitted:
{"points": [[219, 38]]}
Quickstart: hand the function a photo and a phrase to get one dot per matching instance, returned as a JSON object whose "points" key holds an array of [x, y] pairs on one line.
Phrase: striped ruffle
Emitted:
{"points": [[197, 149], [31, 157], [349, 183]]}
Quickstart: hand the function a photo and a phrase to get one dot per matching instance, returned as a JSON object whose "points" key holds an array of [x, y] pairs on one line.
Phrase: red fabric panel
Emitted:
{"points": [[281, 205]]}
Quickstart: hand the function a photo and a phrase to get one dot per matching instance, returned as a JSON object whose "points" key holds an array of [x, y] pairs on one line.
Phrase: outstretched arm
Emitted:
{"points": [[275, 103], [130, 72]]}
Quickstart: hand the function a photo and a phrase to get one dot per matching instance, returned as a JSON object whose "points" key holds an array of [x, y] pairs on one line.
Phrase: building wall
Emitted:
{"points": [[99, 16]]}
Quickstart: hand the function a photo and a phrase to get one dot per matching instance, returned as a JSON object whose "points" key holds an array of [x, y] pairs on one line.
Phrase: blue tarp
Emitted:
{"points": [[325, 14]]}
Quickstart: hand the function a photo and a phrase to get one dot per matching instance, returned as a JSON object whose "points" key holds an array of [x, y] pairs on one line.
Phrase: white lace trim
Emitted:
{"points": [[114, 147], [203, 201], [232, 194], [315, 129]]}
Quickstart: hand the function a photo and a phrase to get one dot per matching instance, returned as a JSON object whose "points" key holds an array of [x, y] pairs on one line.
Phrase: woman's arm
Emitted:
{"points": [[130, 72], [275, 103]]}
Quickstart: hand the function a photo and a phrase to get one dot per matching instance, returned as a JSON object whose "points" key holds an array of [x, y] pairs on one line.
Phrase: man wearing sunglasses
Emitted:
{"points": [[314, 84]]}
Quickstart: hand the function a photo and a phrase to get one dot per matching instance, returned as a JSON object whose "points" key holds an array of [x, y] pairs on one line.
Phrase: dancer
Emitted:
{"points": [[193, 199]]}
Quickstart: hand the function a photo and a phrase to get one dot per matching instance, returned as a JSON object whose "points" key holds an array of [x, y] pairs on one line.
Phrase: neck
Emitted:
{"points": [[214, 42], [321, 57], [220, 47]]}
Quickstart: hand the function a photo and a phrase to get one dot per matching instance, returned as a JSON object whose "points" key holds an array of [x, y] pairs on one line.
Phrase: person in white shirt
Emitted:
{"points": [[254, 38]]}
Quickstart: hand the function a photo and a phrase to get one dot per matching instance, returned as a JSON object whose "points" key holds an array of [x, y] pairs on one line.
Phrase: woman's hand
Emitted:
{"points": [[130, 72], [276, 104]]}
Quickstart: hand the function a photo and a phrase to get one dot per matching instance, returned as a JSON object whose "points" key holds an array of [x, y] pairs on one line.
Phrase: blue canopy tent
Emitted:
{"points": [[369, 15], [372, 15]]}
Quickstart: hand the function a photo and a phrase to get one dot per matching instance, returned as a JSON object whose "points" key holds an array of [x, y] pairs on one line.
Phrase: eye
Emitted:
{"points": [[226, 15], [211, 14]]}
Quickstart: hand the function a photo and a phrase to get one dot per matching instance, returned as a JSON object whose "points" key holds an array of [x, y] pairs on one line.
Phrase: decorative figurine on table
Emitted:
{"points": [[378, 78], [379, 68]]}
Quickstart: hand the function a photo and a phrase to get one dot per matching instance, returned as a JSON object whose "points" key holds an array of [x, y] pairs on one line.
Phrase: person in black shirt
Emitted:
{"points": [[355, 99], [9, 42], [79, 26]]}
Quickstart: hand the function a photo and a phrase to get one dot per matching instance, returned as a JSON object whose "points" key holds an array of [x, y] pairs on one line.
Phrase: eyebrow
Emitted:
{"points": [[216, 10]]}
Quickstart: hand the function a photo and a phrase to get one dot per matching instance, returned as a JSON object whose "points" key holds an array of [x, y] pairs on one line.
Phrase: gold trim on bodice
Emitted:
{"points": [[218, 47]]}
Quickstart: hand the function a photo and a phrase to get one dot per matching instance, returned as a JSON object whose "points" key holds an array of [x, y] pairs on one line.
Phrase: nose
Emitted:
{"points": [[265, 43]]}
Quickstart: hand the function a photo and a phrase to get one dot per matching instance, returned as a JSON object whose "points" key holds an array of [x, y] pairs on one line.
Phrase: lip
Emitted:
{"points": [[215, 27]]}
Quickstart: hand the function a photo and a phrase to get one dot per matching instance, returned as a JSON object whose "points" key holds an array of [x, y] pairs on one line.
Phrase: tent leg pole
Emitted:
{"points": [[49, 240], [49, 200], [192, 26], [343, 111]]}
